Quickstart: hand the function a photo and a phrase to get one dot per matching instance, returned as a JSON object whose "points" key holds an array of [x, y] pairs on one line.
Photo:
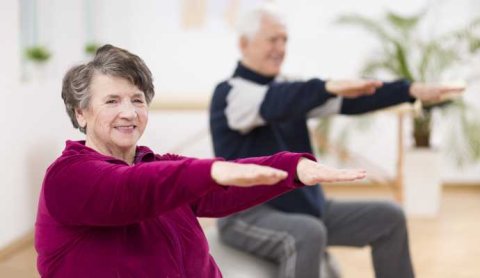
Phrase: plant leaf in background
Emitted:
{"points": [[463, 120]]}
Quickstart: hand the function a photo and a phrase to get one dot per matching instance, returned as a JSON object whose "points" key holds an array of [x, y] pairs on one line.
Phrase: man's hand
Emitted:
{"points": [[352, 88], [245, 175], [310, 173], [433, 92]]}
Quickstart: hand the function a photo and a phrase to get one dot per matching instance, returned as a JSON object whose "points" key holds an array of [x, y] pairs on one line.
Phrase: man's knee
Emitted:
{"points": [[311, 232], [393, 214]]}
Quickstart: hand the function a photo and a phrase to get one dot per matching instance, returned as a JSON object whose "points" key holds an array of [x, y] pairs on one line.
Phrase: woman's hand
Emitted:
{"points": [[245, 175], [310, 173]]}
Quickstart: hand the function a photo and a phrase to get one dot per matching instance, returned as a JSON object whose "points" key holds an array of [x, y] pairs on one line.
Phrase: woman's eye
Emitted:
{"points": [[138, 100], [111, 101]]}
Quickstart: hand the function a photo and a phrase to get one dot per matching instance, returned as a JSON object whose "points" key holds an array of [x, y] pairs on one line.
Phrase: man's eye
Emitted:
{"points": [[138, 100], [111, 101]]}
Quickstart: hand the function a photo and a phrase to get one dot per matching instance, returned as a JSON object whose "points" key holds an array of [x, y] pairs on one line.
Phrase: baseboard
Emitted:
{"points": [[17, 245], [462, 185]]}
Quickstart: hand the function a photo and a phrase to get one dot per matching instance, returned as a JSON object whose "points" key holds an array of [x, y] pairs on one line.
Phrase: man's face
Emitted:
{"points": [[265, 51]]}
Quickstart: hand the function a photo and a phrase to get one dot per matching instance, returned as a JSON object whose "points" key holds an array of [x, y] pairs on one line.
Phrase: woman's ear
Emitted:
{"points": [[80, 116]]}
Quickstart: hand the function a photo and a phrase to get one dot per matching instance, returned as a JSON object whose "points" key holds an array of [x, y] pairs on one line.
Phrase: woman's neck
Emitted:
{"points": [[127, 155]]}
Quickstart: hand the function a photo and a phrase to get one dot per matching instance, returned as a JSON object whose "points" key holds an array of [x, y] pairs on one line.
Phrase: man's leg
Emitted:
{"points": [[381, 225], [295, 241]]}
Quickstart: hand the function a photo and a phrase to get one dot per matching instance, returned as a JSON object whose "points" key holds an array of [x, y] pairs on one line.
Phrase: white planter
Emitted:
{"points": [[422, 184]]}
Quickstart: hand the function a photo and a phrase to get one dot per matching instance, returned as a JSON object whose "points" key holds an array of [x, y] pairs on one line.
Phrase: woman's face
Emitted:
{"points": [[116, 116]]}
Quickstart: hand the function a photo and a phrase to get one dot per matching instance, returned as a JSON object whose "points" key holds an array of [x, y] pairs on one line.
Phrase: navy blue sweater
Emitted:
{"points": [[255, 115]]}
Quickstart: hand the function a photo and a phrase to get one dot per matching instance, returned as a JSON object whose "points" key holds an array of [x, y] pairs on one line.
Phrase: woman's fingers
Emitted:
{"points": [[335, 175], [249, 175], [310, 173], [245, 175]]}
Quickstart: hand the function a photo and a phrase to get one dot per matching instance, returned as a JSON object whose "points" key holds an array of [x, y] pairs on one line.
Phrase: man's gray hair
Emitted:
{"points": [[108, 60], [249, 23]]}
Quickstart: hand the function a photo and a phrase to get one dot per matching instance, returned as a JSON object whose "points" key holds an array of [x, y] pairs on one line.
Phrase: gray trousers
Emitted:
{"points": [[297, 242]]}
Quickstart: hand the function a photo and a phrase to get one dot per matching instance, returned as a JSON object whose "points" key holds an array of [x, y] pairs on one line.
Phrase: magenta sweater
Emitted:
{"points": [[100, 217]]}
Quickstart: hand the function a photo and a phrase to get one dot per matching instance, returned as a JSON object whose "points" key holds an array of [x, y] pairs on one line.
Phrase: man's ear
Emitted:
{"points": [[80, 116], [243, 43]]}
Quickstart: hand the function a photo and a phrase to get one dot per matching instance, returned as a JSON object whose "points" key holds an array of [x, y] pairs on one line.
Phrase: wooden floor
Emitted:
{"points": [[444, 247]]}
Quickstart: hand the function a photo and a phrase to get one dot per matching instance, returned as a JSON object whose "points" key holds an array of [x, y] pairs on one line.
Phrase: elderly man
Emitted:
{"points": [[256, 113]]}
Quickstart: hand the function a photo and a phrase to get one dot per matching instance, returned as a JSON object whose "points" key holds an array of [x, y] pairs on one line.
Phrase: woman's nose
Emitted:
{"points": [[128, 110]]}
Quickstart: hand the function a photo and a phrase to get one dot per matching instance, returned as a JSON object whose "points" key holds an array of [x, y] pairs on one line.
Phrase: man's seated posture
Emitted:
{"points": [[256, 113]]}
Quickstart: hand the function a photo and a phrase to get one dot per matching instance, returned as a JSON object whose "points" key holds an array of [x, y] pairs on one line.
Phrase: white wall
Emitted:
{"points": [[32, 116], [9, 74]]}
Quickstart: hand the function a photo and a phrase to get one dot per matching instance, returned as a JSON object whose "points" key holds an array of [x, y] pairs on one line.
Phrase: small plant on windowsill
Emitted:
{"points": [[37, 54], [91, 48]]}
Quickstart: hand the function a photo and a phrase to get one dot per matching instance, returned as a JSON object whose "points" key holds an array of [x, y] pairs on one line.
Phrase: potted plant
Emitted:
{"points": [[37, 54], [404, 52], [91, 48], [37, 57]]}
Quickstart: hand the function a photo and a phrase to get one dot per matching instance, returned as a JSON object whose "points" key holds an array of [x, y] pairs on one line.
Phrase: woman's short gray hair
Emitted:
{"points": [[249, 23], [108, 60]]}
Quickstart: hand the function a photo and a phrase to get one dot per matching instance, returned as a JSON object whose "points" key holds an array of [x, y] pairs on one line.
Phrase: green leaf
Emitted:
{"points": [[402, 62], [435, 59], [39, 54], [404, 24], [91, 48], [371, 68]]}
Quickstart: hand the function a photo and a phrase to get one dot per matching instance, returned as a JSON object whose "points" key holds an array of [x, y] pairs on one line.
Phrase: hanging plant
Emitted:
{"points": [[37, 54], [91, 48]]}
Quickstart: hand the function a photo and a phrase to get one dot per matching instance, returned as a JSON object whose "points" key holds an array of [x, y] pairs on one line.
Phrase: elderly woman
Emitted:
{"points": [[110, 208]]}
